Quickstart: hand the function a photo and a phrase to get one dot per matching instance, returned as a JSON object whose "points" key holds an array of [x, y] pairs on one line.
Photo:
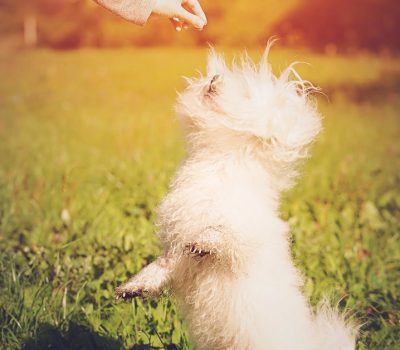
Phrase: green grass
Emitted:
{"points": [[88, 143]]}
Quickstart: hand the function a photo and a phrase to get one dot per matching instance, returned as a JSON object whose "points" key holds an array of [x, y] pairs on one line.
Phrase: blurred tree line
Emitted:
{"points": [[318, 24], [344, 24]]}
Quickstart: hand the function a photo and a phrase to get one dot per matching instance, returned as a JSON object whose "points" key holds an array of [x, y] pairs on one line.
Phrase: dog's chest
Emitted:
{"points": [[228, 192]]}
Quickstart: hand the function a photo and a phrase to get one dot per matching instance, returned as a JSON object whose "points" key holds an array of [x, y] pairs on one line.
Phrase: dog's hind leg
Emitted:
{"points": [[150, 281]]}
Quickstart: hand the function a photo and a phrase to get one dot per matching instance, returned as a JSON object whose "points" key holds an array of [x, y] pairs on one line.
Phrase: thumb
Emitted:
{"points": [[190, 18]]}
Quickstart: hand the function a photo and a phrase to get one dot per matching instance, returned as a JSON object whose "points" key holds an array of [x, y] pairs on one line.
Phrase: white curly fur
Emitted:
{"points": [[229, 255]]}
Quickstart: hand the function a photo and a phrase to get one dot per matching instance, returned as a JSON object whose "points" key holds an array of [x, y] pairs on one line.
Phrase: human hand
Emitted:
{"points": [[182, 13]]}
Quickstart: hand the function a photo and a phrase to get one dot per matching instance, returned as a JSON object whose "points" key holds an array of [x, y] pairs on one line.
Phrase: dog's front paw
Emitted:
{"points": [[131, 290], [198, 250], [127, 293]]}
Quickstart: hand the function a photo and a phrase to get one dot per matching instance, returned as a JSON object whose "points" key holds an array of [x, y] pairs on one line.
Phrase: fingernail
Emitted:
{"points": [[199, 25], [178, 29]]}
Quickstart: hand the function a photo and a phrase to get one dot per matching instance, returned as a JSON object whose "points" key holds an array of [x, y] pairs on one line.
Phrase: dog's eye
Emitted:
{"points": [[212, 88]]}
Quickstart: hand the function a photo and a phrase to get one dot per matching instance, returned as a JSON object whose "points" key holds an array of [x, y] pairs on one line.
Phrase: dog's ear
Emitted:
{"points": [[214, 83]]}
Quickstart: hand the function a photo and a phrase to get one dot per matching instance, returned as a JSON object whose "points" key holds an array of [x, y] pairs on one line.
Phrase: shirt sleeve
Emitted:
{"points": [[137, 11]]}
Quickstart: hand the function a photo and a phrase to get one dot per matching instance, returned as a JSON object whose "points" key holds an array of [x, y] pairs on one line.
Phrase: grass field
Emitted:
{"points": [[88, 143]]}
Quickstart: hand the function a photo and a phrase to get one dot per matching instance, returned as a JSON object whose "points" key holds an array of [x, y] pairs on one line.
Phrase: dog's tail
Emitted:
{"points": [[335, 330]]}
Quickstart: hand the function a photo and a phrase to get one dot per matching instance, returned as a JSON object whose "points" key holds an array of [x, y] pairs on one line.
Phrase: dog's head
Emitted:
{"points": [[249, 101]]}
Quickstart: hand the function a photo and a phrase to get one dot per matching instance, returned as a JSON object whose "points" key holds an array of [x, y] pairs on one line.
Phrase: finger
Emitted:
{"points": [[190, 18], [176, 23], [195, 7]]}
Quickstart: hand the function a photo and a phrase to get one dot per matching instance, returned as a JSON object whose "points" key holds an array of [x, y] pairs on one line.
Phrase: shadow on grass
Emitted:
{"points": [[79, 337]]}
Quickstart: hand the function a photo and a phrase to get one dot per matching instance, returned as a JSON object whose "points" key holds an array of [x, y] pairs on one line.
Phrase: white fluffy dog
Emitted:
{"points": [[227, 253]]}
